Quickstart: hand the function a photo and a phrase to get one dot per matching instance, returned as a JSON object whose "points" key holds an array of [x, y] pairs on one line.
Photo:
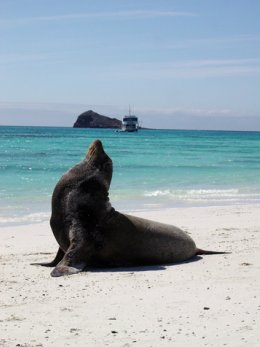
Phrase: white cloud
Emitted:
{"points": [[61, 108], [209, 42], [131, 14], [25, 57], [72, 108], [44, 106], [116, 14], [204, 112], [202, 68]]}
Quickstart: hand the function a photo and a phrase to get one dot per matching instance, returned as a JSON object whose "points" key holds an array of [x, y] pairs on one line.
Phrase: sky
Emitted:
{"points": [[180, 64]]}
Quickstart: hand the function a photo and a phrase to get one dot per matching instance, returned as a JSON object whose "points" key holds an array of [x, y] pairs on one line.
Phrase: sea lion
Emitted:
{"points": [[90, 232]]}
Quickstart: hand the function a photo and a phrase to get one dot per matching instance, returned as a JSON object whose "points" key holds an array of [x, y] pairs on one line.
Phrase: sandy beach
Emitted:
{"points": [[213, 301]]}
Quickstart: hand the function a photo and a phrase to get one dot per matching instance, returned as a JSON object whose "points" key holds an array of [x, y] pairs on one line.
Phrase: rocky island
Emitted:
{"points": [[91, 119]]}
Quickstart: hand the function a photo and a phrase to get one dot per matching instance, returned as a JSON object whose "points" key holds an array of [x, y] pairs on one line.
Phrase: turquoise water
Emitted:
{"points": [[153, 169]]}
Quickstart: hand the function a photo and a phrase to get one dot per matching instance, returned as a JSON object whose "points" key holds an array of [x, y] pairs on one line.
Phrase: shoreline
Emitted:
{"points": [[43, 216], [213, 301]]}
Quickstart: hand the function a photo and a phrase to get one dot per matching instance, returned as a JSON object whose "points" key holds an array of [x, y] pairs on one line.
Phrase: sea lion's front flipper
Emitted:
{"points": [[70, 264], [65, 270], [55, 261], [74, 260]]}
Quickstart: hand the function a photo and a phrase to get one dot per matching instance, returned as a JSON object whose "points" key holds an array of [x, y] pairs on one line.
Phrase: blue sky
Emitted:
{"points": [[180, 64]]}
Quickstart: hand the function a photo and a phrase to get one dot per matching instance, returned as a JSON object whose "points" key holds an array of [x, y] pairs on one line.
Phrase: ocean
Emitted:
{"points": [[153, 169]]}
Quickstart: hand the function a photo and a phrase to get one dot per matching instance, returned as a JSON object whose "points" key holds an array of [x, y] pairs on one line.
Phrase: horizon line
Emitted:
{"points": [[149, 129]]}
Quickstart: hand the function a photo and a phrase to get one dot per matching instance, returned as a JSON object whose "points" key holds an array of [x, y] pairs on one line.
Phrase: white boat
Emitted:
{"points": [[130, 123]]}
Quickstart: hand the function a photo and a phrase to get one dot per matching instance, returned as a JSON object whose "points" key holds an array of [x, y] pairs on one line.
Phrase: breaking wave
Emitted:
{"points": [[205, 196], [24, 219]]}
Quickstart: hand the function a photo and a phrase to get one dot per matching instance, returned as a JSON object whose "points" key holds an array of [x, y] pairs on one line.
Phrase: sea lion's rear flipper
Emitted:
{"points": [[203, 251], [55, 261]]}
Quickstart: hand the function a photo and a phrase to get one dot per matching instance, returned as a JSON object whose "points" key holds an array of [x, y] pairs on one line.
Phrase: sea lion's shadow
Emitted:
{"points": [[141, 268]]}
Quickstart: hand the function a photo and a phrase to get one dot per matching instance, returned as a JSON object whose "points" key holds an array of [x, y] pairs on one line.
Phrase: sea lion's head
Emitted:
{"points": [[97, 158]]}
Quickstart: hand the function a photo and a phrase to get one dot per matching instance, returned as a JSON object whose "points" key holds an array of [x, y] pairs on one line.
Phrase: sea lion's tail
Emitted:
{"points": [[202, 251]]}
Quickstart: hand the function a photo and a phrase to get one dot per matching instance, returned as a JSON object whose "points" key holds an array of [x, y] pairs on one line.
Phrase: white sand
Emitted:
{"points": [[214, 301]]}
